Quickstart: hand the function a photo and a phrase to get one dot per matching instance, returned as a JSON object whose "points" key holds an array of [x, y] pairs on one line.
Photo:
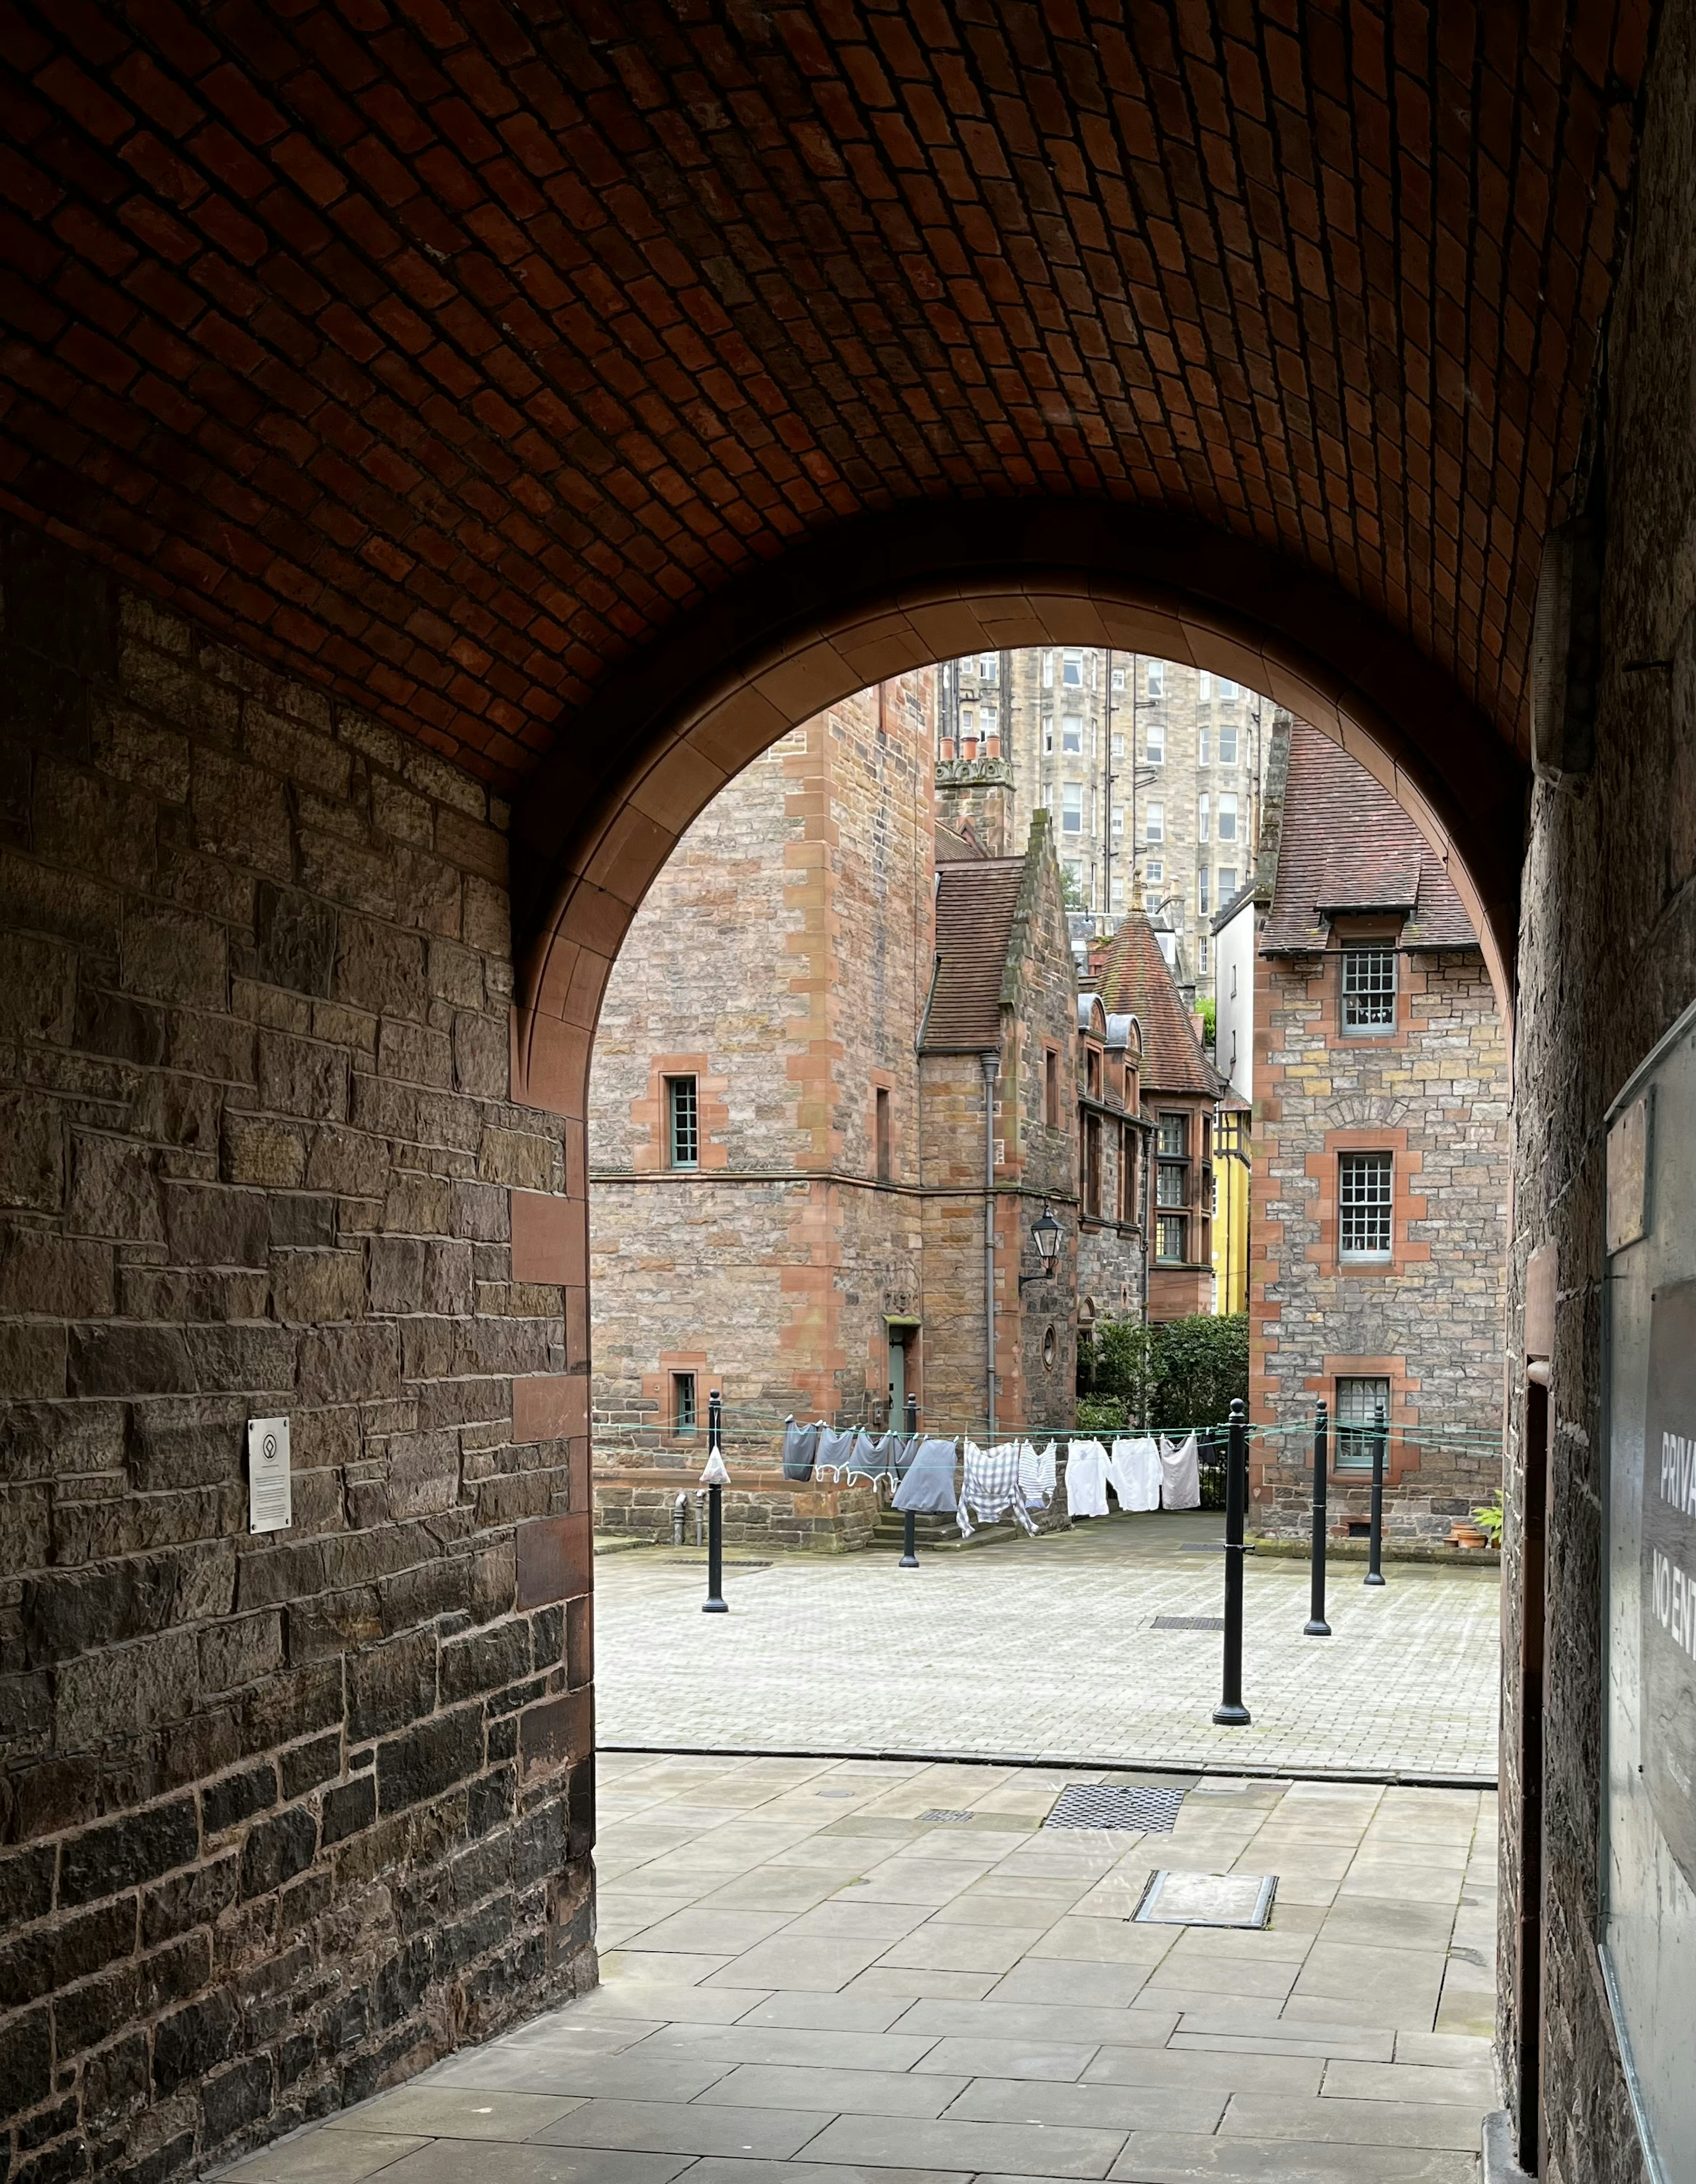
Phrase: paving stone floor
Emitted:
{"points": [[1045, 1648], [809, 1980]]}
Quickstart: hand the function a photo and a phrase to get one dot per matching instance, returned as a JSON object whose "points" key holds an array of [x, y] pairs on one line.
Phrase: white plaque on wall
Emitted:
{"points": [[270, 1501]]}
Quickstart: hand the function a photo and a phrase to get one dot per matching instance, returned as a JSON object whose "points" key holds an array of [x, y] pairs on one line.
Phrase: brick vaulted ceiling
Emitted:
{"points": [[448, 349]]}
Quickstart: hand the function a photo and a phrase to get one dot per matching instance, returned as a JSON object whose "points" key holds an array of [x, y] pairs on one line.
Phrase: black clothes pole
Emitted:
{"points": [[714, 1604], [1231, 1713], [910, 1545], [1317, 1627], [1380, 1435]]}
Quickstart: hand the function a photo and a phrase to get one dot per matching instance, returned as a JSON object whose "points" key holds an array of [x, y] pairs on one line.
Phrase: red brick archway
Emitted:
{"points": [[877, 599]]}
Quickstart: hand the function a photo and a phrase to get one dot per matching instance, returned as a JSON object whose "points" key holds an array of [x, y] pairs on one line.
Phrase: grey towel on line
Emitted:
{"points": [[799, 1444], [835, 1453], [928, 1487]]}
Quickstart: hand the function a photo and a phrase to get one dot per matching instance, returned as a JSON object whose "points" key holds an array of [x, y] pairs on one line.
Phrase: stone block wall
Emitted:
{"points": [[1431, 1323], [1607, 962], [758, 1512], [282, 1817]]}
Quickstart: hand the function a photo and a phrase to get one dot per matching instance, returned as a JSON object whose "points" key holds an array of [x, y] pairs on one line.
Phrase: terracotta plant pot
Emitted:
{"points": [[1467, 1535]]}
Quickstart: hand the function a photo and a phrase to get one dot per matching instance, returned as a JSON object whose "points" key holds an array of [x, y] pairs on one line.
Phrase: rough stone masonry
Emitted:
{"points": [[284, 1816]]}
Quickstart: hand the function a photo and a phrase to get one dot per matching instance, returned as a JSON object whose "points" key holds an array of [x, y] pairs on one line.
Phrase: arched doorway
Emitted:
{"points": [[903, 591]]}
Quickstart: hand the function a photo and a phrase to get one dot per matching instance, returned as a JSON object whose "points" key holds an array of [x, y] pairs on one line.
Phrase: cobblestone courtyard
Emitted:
{"points": [[856, 1972], [1046, 1649]]}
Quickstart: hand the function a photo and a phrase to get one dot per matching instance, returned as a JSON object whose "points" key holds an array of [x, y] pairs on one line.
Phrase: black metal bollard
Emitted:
{"points": [[1231, 1713], [715, 1603], [910, 1545], [1380, 1436], [1317, 1627]]}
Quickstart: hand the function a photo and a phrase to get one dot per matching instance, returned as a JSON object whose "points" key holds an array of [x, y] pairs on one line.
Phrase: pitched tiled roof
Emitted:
{"points": [[1132, 978], [1347, 846], [976, 899]]}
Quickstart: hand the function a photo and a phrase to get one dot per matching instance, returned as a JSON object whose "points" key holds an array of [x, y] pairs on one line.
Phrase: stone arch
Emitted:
{"points": [[875, 598]]}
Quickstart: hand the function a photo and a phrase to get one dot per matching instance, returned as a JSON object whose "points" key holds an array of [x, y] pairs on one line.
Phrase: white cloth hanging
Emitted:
{"points": [[1133, 1472], [990, 1486], [1180, 1474], [1036, 1474], [1086, 1479]]}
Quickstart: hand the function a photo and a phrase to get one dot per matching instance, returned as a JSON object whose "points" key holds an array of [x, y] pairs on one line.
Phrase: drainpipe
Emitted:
{"points": [[992, 1070]]}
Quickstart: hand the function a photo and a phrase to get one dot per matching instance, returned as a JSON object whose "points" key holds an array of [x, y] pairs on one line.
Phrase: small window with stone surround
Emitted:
{"points": [[1359, 1398], [682, 1122], [684, 1414]]}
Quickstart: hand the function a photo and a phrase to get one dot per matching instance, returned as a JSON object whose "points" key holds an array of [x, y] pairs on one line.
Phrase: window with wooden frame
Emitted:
{"points": [[1092, 1167], [1360, 1396], [1172, 1199], [682, 1122], [1127, 1176], [1369, 989], [685, 1415], [1366, 1188]]}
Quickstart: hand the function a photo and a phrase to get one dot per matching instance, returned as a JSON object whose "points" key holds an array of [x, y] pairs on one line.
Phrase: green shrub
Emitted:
{"points": [[1176, 1373]]}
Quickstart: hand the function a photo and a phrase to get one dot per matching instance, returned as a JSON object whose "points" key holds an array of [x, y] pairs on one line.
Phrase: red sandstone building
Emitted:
{"points": [[844, 1033], [1378, 1224]]}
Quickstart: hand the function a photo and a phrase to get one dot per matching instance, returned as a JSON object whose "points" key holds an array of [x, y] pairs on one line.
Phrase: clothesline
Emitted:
{"points": [[1010, 1477]]}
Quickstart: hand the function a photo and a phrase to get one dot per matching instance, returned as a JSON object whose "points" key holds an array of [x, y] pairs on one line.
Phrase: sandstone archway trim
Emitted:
{"points": [[875, 599]]}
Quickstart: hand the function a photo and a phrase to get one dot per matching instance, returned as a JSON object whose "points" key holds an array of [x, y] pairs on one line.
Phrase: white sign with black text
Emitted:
{"points": [[270, 1499]]}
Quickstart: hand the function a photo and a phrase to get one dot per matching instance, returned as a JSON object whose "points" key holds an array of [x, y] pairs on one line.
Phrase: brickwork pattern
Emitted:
{"points": [[284, 1816], [449, 357], [1432, 1322]]}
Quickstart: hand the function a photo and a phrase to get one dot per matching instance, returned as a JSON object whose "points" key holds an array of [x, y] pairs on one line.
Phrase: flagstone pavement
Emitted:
{"points": [[1047, 1649], [863, 1972]]}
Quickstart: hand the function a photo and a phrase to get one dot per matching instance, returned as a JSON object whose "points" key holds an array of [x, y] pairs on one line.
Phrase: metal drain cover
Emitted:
{"points": [[1091, 1805], [1189, 1622], [940, 1818], [1206, 1899]]}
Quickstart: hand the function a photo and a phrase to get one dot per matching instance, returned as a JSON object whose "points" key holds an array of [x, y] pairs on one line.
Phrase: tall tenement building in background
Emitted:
{"points": [[1149, 768]]}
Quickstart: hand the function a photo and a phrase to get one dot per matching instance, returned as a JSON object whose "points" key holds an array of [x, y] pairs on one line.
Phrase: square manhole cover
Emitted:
{"points": [[1095, 1805], [940, 1818], [1189, 1622], [1206, 1899]]}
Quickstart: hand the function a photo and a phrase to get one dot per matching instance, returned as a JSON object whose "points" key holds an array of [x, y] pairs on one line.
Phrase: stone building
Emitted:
{"points": [[753, 1138], [1113, 1165], [787, 1141], [1180, 1092], [1149, 768], [1380, 1163]]}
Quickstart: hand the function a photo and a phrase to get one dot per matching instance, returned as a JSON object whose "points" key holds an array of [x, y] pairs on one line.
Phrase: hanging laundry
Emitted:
{"points": [[874, 1460], [835, 1453], [991, 1487], [1086, 1479], [903, 1447], [800, 1444], [1133, 1472], [1037, 1476], [927, 1487], [1180, 1474]]}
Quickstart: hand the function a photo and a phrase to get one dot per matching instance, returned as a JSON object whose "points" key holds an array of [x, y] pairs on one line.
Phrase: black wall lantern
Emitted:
{"points": [[1046, 1234]]}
